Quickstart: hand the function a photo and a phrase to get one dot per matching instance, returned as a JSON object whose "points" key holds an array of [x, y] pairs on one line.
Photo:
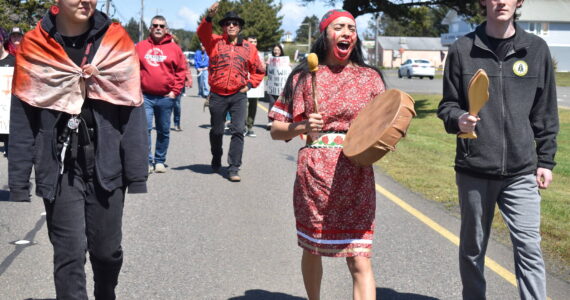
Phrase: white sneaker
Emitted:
{"points": [[150, 169], [159, 168]]}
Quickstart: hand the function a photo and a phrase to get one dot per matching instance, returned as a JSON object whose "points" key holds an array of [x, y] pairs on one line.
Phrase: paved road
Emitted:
{"points": [[435, 86], [196, 235]]}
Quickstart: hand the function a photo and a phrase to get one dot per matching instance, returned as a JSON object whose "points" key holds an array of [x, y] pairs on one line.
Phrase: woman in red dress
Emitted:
{"points": [[334, 200]]}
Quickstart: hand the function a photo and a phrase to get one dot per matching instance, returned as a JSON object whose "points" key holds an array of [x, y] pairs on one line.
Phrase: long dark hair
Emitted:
{"points": [[280, 49], [321, 48]]}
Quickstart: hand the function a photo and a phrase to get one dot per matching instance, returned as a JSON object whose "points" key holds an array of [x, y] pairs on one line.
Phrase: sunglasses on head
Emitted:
{"points": [[158, 25], [231, 22]]}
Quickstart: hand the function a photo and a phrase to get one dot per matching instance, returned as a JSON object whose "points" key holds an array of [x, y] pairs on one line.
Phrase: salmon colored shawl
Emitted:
{"points": [[46, 77]]}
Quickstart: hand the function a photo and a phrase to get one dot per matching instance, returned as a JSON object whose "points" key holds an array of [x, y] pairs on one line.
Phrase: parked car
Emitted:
{"points": [[416, 67], [190, 57]]}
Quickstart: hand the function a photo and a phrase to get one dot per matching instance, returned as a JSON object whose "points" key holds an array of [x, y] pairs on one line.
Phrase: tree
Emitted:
{"points": [[401, 8], [132, 28], [184, 38], [422, 21], [260, 18], [262, 21], [302, 34], [24, 14]]}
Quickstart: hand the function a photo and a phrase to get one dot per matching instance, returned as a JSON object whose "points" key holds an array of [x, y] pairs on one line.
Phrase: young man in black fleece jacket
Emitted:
{"points": [[513, 155]]}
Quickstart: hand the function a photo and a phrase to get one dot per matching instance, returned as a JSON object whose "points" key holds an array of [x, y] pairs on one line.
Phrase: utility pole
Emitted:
{"points": [[309, 36], [376, 58], [107, 7], [141, 29], [309, 40]]}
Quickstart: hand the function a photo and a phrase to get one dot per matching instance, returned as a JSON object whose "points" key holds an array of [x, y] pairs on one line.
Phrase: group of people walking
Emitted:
{"points": [[84, 98]]}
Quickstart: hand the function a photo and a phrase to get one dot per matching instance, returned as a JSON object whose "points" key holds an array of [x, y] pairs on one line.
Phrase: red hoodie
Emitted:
{"points": [[231, 66], [163, 66]]}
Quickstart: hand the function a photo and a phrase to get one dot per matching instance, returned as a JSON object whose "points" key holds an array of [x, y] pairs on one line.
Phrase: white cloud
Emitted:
{"points": [[293, 15], [186, 19], [362, 23]]}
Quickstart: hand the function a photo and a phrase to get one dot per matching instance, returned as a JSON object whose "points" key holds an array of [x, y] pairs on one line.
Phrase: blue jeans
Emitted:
{"points": [[203, 87], [161, 108], [176, 110]]}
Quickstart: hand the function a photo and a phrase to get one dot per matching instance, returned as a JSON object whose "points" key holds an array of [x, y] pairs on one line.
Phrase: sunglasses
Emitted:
{"points": [[158, 25], [231, 22]]}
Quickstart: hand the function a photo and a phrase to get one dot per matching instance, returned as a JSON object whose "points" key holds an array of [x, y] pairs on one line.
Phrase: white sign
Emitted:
{"points": [[5, 98], [259, 91], [278, 69]]}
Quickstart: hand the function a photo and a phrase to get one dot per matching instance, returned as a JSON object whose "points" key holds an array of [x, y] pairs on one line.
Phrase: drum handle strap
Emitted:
{"points": [[385, 146]]}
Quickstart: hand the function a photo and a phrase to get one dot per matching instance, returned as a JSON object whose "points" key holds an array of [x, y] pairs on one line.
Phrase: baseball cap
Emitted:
{"points": [[16, 30]]}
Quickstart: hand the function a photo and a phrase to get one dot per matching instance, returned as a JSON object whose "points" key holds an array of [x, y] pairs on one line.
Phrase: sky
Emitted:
{"points": [[184, 14]]}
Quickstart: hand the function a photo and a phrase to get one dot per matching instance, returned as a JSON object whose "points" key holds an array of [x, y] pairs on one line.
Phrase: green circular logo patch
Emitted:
{"points": [[520, 68]]}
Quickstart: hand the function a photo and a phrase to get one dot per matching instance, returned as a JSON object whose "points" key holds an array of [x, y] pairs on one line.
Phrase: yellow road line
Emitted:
{"points": [[262, 107], [489, 263]]}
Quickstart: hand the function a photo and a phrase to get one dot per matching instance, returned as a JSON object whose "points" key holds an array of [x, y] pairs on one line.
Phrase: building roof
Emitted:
{"points": [[410, 43], [545, 10]]}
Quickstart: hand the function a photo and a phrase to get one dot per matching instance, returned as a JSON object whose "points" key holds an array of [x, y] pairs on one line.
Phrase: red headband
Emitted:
{"points": [[331, 15]]}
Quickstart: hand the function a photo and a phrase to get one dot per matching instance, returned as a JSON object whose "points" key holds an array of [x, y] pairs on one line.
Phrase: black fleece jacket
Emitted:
{"points": [[121, 138], [518, 126]]}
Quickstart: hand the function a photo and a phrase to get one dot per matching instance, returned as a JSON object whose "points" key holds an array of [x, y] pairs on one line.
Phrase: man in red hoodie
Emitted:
{"points": [[163, 72], [234, 69]]}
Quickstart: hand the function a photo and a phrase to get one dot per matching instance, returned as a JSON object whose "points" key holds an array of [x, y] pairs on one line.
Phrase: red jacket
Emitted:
{"points": [[232, 66], [163, 66]]}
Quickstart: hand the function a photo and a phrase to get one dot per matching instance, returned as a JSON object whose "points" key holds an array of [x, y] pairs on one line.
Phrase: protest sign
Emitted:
{"points": [[278, 69], [259, 91], [5, 98]]}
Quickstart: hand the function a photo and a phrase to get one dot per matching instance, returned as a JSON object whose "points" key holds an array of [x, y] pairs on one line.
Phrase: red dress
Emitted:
{"points": [[334, 200]]}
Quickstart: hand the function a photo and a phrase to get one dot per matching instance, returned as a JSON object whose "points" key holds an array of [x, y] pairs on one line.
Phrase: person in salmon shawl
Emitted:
{"points": [[334, 200], [77, 118]]}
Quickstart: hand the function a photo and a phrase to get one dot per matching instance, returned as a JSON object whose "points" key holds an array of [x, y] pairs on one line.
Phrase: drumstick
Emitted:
{"points": [[478, 94], [313, 61]]}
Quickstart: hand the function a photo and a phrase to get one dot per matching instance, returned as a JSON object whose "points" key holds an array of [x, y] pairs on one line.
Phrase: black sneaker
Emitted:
{"points": [[250, 133], [233, 176]]}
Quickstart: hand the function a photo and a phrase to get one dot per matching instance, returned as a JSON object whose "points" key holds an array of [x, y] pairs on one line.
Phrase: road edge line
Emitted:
{"points": [[489, 262]]}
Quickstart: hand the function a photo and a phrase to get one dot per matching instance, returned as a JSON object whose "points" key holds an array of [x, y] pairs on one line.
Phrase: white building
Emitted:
{"points": [[393, 50], [549, 19]]}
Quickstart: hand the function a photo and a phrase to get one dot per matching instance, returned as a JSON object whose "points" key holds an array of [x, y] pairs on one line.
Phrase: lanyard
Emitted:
{"points": [[86, 54]]}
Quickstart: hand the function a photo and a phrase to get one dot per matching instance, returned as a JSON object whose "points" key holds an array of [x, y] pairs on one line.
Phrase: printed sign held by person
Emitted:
{"points": [[257, 92], [5, 96], [278, 69]]}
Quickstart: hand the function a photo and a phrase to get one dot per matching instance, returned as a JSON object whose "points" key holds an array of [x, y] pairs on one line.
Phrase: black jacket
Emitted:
{"points": [[518, 126], [121, 158]]}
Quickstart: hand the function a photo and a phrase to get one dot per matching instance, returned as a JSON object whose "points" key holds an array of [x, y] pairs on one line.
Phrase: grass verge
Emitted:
{"points": [[563, 79], [423, 162]]}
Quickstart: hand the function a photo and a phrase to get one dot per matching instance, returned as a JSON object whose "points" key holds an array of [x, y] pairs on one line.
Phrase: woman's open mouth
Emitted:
{"points": [[344, 46]]}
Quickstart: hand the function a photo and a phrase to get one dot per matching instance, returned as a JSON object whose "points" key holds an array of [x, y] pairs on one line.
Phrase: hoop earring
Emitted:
{"points": [[54, 10]]}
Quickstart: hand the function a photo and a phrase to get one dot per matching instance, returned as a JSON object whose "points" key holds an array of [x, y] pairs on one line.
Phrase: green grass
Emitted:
{"points": [[563, 79], [423, 162]]}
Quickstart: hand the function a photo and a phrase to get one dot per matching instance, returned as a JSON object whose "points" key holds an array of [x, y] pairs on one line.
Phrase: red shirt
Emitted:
{"points": [[232, 66], [163, 66]]}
